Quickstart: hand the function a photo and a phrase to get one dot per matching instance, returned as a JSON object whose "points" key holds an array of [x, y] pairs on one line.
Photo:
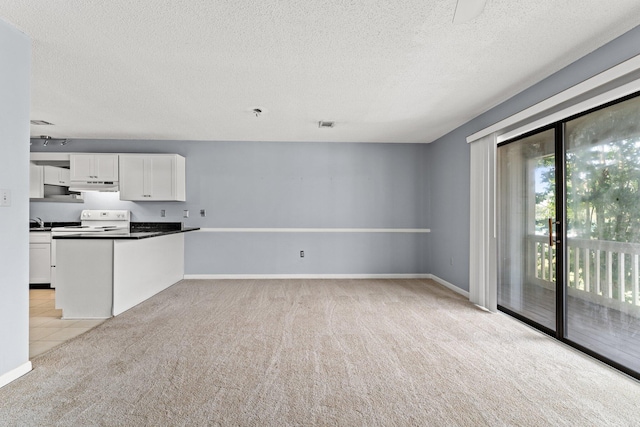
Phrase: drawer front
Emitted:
{"points": [[40, 237]]}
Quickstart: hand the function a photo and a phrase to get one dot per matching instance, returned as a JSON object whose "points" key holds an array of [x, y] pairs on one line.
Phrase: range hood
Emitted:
{"points": [[106, 186]]}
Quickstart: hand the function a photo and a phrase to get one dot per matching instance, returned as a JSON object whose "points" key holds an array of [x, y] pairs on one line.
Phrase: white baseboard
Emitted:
{"points": [[306, 276], [314, 230], [443, 282], [451, 286], [14, 374]]}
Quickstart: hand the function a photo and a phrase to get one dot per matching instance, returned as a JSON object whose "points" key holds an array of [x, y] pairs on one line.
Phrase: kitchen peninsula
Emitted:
{"points": [[100, 275]]}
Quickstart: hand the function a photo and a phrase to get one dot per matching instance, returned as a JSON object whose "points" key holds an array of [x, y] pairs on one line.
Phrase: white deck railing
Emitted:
{"points": [[600, 271]]}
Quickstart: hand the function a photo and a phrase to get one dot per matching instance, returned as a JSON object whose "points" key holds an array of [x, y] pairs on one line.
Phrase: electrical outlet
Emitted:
{"points": [[203, 213], [301, 254], [185, 213], [5, 197], [163, 213]]}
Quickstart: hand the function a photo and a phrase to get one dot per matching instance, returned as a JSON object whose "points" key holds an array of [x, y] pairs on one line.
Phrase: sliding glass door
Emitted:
{"points": [[603, 231], [527, 211], [581, 285]]}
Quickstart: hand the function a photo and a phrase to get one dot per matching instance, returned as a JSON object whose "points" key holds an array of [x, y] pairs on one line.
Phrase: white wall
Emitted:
{"points": [[15, 65]]}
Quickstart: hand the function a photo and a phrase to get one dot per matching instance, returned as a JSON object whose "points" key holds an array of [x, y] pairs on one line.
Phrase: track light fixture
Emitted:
{"points": [[46, 140]]}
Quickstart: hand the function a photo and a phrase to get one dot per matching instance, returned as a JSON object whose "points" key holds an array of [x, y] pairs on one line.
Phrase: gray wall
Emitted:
{"points": [[15, 51], [285, 185], [449, 215]]}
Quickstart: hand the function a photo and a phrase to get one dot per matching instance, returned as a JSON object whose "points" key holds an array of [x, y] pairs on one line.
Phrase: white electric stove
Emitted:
{"points": [[98, 221]]}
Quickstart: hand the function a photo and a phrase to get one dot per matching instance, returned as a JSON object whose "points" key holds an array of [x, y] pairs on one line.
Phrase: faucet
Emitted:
{"points": [[39, 221]]}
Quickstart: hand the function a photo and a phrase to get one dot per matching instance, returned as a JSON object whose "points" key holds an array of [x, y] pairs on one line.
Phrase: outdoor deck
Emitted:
{"points": [[605, 330]]}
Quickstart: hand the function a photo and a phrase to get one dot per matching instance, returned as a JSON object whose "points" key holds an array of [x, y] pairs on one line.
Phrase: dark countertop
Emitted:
{"points": [[49, 225], [137, 230], [131, 235]]}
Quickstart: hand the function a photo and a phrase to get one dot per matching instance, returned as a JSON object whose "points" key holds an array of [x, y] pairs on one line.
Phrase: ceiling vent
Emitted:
{"points": [[41, 123], [322, 124]]}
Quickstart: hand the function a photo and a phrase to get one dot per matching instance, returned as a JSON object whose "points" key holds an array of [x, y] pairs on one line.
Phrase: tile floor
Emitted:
{"points": [[46, 328]]}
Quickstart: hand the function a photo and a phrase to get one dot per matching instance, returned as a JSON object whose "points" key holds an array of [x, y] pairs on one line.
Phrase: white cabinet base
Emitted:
{"points": [[100, 278], [142, 268], [39, 257], [84, 282]]}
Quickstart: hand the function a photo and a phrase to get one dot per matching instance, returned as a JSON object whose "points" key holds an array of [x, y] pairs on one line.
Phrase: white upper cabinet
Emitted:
{"points": [[36, 181], [56, 176], [158, 177], [94, 167]]}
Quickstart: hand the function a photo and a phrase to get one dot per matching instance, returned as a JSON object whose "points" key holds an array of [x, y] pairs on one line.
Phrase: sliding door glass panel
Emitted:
{"points": [[526, 271], [603, 232]]}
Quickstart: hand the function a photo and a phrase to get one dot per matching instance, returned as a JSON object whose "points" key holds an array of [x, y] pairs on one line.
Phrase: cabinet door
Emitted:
{"points": [[56, 176], [51, 175], [64, 176], [94, 167], [160, 179], [81, 167], [36, 181], [132, 178], [106, 167], [39, 263]]}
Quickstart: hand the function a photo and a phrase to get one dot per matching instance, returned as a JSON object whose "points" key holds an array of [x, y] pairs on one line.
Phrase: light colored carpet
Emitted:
{"points": [[316, 353]]}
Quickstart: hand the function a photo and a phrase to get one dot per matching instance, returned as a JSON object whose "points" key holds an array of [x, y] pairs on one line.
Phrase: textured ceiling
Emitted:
{"points": [[384, 71]]}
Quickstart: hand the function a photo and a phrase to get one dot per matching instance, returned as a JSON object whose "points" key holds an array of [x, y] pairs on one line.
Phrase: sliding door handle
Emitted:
{"points": [[551, 240]]}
